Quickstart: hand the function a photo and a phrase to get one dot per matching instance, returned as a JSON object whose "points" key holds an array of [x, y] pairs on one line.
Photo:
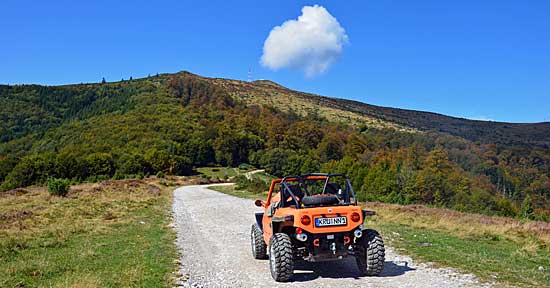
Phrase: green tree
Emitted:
{"points": [[526, 208], [158, 160], [100, 164], [432, 181], [331, 148]]}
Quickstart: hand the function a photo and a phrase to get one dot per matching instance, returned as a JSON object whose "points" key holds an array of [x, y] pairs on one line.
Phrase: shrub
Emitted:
{"points": [[100, 164], [58, 187], [245, 166], [160, 174], [254, 185], [118, 175], [131, 164], [526, 211]]}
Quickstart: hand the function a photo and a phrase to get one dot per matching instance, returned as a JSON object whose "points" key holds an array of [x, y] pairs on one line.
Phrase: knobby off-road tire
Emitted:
{"points": [[371, 256], [259, 248], [281, 262]]}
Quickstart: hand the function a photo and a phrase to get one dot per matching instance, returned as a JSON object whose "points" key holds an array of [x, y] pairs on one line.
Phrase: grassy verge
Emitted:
{"points": [[230, 190], [219, 172], [495, 249], [110, 234]]}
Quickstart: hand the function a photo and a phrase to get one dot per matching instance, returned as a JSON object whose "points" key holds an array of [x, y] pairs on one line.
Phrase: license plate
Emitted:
{"points": [[333, 221]]}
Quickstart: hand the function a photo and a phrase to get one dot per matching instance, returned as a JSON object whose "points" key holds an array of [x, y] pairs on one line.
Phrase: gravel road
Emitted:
{"points": [[213, 239]]}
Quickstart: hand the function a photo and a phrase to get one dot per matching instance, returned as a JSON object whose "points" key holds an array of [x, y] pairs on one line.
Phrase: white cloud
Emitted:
{"points": [[311, 43]]}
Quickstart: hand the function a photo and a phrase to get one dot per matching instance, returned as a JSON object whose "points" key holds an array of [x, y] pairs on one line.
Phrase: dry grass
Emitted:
{"points": [[99, 235], [269, 93], [534, 234], [506, 250]]}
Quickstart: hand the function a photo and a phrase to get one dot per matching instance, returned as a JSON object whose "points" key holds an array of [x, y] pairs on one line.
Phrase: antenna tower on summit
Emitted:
{"points": [[249, 74]]}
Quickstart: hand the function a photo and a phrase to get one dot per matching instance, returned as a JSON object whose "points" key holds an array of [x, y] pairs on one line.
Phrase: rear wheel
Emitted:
{"points": [[259, 248], [371, 253], [281, 262]]}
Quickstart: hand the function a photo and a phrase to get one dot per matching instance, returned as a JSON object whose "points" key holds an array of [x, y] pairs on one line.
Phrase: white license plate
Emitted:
{"points": [[333, 221]]}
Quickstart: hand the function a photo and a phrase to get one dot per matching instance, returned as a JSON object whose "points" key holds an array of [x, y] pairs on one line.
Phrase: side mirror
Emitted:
{"points": [[259, 203]]}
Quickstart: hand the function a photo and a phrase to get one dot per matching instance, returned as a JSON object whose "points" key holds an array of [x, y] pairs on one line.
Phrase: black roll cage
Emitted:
{"points": [[302, 178]]}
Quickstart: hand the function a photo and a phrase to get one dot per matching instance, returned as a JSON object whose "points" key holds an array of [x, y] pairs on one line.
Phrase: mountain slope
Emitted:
{"points": [[68, 102], [174, 122], [348, 111]]}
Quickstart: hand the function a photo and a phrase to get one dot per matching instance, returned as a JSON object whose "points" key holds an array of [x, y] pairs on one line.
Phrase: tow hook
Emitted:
{"points": [[301, 237], [333, 247]]}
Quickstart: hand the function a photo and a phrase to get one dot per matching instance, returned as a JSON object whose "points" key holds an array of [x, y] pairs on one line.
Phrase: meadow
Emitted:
{"points": [[108, 234]]}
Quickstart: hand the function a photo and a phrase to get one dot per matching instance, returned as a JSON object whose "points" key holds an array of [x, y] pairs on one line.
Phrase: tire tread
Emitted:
{"points": [[259, 248], [371, 259], [283, 257]]}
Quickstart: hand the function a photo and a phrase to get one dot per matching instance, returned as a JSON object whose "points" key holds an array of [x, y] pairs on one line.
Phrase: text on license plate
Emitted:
{"points": [[333, 221]]}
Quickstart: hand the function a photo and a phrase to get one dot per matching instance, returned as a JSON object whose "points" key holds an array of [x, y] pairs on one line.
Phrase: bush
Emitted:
{"points": [[526, 211], [160, 174], [245, 166], [131, 164], [254, 185], [58, 187], [118, 175], [100, 164]]}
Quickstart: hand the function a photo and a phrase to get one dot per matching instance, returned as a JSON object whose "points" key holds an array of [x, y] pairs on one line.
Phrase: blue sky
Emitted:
{"points": [[473, 59]]}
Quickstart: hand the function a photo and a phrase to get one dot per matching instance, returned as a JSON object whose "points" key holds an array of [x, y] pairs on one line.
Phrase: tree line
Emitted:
{"points": [[173, 123]]}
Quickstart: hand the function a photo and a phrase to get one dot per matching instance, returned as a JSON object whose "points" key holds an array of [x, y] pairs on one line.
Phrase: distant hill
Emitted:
{"points": [[175, 122], [358, 113], [67, 102]]}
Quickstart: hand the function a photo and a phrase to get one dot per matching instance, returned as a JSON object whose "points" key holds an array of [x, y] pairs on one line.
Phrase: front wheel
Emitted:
{"points": [[281, 262], [371, 253], [259, 248]]}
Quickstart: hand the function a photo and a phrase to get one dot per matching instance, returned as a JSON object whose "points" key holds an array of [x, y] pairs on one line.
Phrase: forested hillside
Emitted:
{"points": [[175, 122]]}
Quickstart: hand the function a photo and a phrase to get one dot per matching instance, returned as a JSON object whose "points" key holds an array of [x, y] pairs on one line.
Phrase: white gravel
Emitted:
{"points": [[214, 241]]}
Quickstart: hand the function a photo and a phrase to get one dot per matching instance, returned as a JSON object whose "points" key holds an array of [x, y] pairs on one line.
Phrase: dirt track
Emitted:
{"points": [[214, 241]]}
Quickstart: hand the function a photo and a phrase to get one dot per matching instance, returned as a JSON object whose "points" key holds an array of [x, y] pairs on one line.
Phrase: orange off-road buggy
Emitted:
{"points": [[314, 217]]}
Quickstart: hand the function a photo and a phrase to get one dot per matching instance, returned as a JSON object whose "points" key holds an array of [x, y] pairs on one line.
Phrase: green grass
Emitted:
{"points": [[219, 172], [230, 190], [500, 250], [113, 235], [491, 259], [264, 177]]}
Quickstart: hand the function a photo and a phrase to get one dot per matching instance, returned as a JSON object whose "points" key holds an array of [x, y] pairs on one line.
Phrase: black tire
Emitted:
{"points": [[281, 262], [371, 253], [320, 200], [259, 248]]}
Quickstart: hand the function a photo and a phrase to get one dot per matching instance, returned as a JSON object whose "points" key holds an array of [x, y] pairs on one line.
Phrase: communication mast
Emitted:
{"points": [[249, 74]]}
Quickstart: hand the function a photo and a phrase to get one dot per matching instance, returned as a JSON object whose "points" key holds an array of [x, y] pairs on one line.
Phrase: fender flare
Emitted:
{"points": [[259, 217]]}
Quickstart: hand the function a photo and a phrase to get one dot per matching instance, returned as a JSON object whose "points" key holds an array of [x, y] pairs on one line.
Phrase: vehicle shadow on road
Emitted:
{"points": [[392, 269], [306, 271]]}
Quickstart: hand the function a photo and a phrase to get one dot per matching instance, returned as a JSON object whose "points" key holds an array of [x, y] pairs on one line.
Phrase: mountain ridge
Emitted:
{"points": [[275, 84], [474, 130], [358, 113]]}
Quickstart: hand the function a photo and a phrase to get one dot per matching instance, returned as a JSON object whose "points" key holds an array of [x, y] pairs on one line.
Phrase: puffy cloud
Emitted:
{"points": [[311, 43]]}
